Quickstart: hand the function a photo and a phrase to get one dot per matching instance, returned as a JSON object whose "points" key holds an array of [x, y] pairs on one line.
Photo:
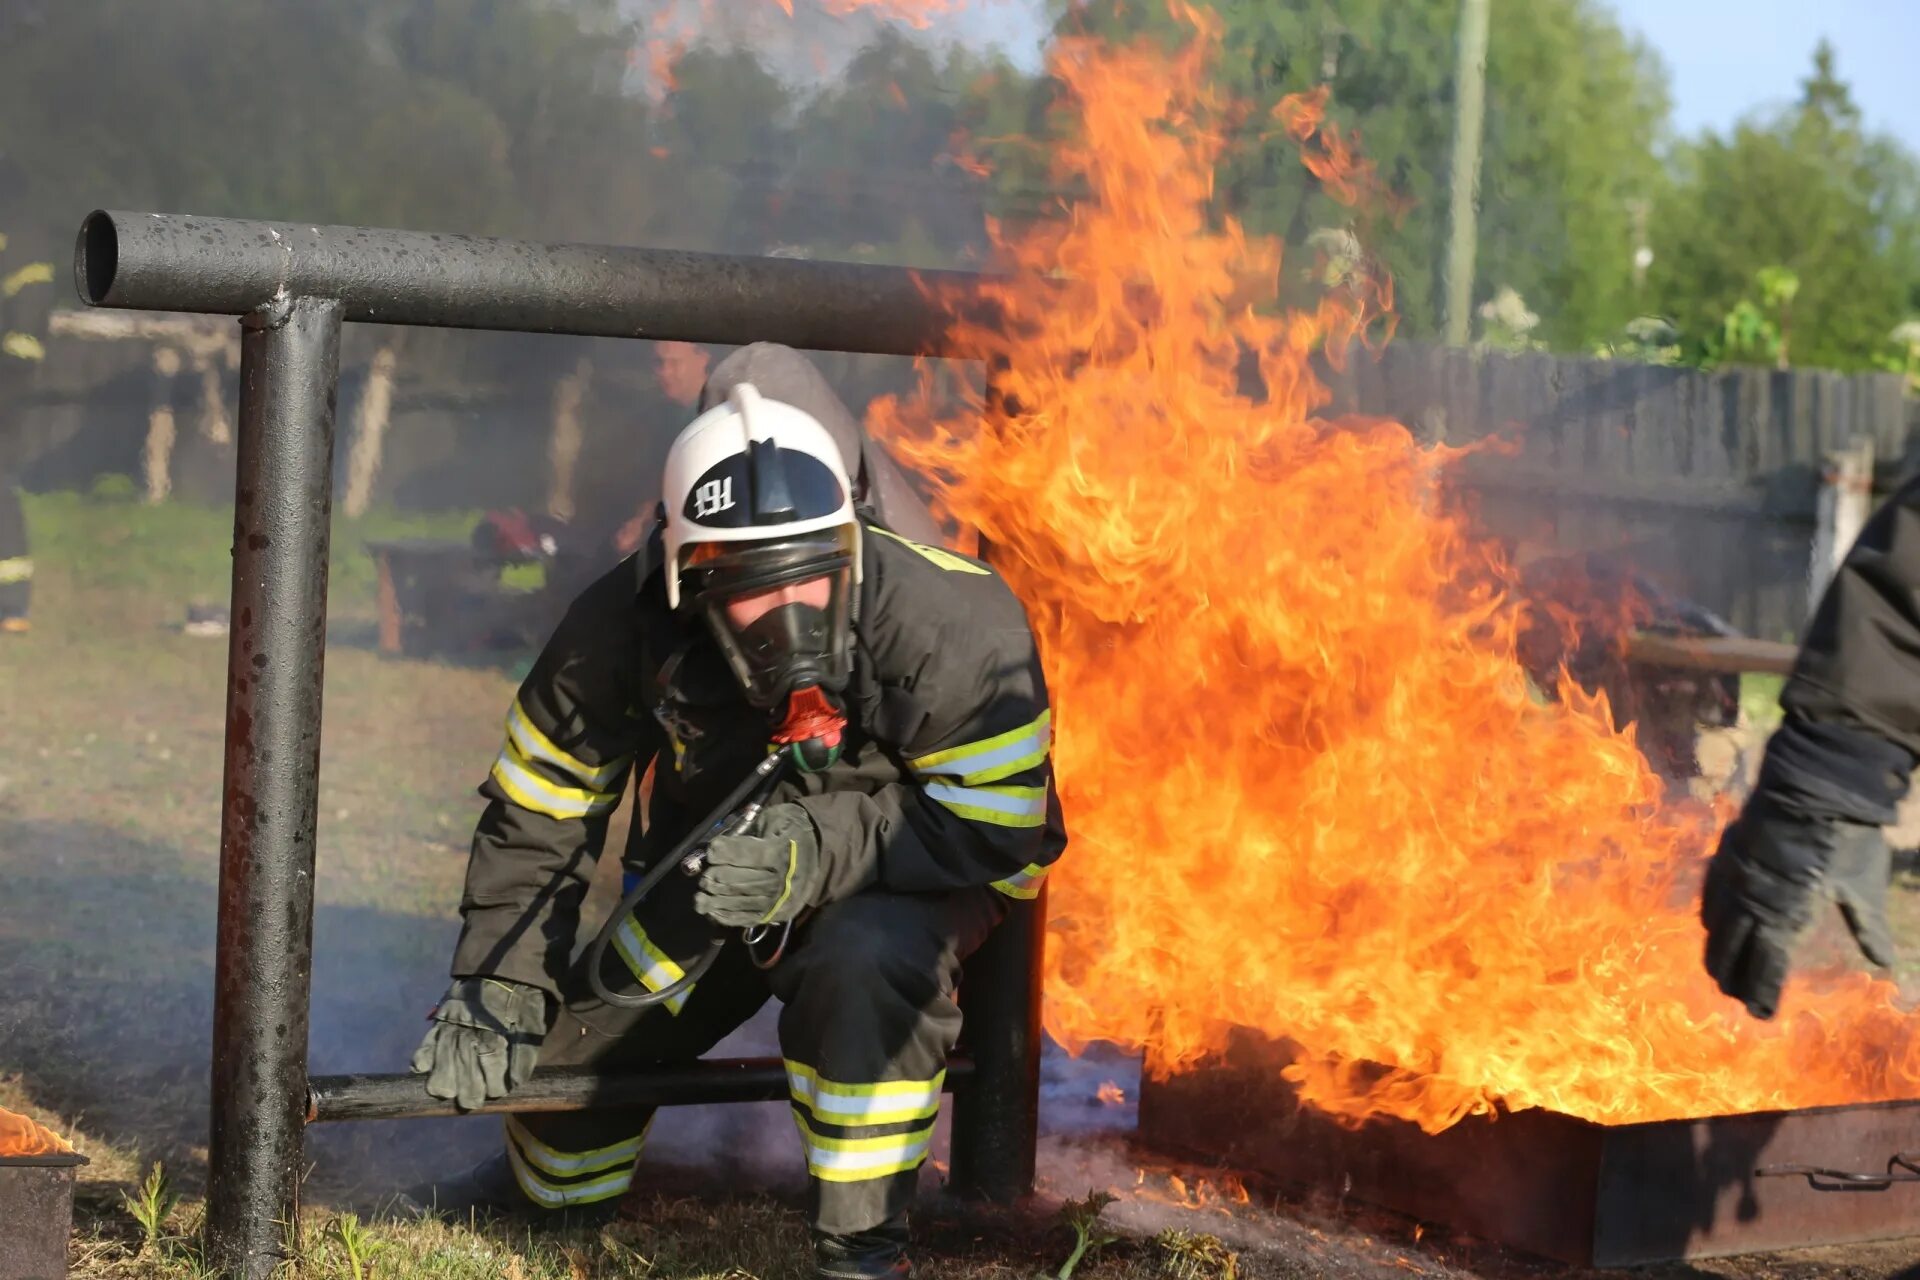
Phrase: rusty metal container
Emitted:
{"points": [[1560, 1186], [36, 1215]]}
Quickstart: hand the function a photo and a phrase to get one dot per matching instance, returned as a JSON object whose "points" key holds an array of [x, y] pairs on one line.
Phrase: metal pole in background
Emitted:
{"points": [[1469, 120], [996, 1114], [289, 368]]}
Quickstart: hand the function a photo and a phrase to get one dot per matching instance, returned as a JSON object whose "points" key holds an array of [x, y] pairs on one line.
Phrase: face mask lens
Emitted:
{"points": [[779, 612], [744, 612]]}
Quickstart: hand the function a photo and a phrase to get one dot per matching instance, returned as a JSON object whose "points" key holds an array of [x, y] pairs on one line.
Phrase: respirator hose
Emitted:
{"points": [[735, 813]]}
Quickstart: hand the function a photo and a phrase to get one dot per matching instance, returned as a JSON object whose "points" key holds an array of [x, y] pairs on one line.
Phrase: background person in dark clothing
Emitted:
{"points": [[1834, 774]]}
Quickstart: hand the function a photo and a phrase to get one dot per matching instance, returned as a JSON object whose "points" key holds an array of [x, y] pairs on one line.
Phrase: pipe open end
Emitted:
{"points": [[96, 256]]}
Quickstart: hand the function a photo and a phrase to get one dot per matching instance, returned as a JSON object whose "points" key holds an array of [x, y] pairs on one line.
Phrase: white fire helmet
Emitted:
{"points": [[756, 500]]}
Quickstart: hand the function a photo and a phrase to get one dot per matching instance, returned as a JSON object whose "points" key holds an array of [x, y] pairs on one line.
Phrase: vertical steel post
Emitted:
{"points": [[996, 1114], [289, 369]]}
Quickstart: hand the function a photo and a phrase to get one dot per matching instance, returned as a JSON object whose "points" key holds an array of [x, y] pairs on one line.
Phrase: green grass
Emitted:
{"points": [[107, 542], [1760, 700]]}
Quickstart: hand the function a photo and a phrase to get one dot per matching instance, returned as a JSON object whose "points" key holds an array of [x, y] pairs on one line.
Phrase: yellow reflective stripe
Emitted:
{"points": [[16, 569], [862, 1159], [945, 559], [786, 889], [992, 759], [1001, 806], [653, 968], [571, 1164], [529, 790], [888, 1102], [536, 747], [1026, 883], [554, 1195]]}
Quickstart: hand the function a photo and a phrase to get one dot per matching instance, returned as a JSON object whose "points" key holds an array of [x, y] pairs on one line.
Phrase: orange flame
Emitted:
{"points": [[1111, 1094], [20, 1136], [1308, 789]]}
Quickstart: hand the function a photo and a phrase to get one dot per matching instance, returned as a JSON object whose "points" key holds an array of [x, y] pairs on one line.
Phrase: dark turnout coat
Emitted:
{"points": [[945, 782]]}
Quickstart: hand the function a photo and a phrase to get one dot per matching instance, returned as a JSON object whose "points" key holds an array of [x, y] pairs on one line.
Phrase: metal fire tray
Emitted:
{"points": [[1559, 1186], [36, 1215]]}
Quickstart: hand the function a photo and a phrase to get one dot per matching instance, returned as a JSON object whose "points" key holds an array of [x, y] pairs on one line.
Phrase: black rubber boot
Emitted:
{"points": [[879, 1253], [488, 1191]]}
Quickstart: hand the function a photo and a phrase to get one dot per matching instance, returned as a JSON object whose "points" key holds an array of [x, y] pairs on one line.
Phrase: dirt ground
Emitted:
{"points": [[109, 797]]}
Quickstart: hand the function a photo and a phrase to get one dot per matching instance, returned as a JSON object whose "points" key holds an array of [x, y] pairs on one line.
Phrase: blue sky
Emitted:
{"points": [[1725, 57]]}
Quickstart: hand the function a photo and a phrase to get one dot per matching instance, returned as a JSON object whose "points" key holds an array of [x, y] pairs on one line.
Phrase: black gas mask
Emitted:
{"points": [[780, 610]]}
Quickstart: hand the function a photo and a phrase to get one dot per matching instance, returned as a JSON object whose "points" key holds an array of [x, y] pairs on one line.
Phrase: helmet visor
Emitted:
{"points": [[780, 610]]}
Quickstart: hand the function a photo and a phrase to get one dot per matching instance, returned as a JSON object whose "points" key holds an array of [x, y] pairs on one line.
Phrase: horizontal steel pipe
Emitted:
{"points": [[405, 1097], [225, 266]]}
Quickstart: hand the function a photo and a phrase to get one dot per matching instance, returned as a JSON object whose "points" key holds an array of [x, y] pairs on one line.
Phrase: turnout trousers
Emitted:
{"points": [[869, 1016]]}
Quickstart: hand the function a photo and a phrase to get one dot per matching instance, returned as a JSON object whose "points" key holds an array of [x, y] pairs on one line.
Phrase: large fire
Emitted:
{"points": [[20, 1136], [1308, 789]]}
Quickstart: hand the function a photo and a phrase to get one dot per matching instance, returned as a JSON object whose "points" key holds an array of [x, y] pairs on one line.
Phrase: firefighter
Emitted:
{"points": [[1834, 772], [765, 596], [16, 561]]}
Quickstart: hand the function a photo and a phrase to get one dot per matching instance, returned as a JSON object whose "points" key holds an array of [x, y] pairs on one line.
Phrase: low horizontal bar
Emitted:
{"points": [[405, 1097], [226, 266], [1729, 655]]}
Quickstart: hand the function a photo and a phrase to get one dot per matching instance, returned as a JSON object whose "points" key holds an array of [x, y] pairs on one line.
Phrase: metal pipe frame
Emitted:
{"points": [[222, 266], [263, 955], [293, 285]]}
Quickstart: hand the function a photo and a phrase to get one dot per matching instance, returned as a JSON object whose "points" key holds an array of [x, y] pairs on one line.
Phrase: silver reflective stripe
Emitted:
{"points": [[535, 746], [554, 1195], [652, 966], [570, 1164], [859, 1159], [531, 791], [1000, 762], [888, 1102], [1026, 802], [1025, 883]]}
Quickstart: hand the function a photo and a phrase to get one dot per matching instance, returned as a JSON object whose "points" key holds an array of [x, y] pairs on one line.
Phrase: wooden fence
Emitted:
{"points": [[1709, 482]]}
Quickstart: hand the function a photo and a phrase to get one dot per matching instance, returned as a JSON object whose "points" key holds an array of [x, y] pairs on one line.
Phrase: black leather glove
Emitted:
{"points": [[767, 876], [1811, 827], [484, 1041], [1762, 887]]}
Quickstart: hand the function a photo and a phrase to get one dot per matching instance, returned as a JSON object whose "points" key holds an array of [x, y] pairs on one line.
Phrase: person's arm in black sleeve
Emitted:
{"points": [[966, 713], [1834, 772], [574, 735], [1860, 663], [978, 808]]}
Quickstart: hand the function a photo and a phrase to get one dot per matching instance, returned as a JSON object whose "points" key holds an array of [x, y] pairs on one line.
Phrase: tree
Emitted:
{"points": [[1807, 191], [1574, 110]]}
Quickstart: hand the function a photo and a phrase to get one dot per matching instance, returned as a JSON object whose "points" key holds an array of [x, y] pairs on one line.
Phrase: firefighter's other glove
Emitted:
{"points": [[1764, 883], [484, 1042], [768, 876], [1812, 827]]}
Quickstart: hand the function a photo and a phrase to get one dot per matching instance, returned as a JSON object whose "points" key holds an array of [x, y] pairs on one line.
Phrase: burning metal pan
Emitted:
{"points": [[1560, 1186], [36, 1214]]}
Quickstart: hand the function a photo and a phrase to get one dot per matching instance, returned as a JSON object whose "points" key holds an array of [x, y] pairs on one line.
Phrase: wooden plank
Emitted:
{"points": [[1496, 473], [392, 625], [1711, 653]]}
